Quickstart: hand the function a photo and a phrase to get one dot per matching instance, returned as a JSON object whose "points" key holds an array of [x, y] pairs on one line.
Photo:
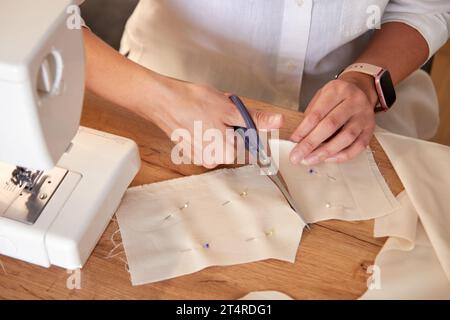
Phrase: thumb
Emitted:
{"points": [[262, 119]]}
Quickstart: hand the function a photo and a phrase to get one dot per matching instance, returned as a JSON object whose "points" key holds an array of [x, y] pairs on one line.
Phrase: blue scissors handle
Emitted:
{"points": [[249, 123], [250, 132]]}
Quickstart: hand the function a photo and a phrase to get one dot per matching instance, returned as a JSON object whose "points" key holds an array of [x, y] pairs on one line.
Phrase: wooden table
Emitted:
{"points": [[331, 261]]}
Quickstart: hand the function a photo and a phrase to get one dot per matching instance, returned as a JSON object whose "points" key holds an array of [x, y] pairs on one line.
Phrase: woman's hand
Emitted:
{"points": [[178, 105], [169, 103], [339, 121]]}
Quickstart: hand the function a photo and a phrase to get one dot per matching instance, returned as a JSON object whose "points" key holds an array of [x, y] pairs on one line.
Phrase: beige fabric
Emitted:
{"points": [[408, 266], [416, 111], [354, 190], [414, 263], [413, 273], [237, 228], [401, 224], [162, 241], [266, 295], [423, 168]]}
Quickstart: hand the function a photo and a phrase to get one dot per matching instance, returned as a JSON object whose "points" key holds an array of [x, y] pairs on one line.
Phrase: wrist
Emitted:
{"points": [[365, 82], [156, 98]]}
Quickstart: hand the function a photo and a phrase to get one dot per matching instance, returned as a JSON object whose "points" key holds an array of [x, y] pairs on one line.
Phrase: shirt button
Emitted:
{"points": [[299, 2]]}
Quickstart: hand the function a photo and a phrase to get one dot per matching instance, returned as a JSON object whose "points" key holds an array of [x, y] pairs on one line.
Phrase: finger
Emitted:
{"points": [[324, 129], [267, 120], [359, 145], [349, 133], [262, 119], [327, 99]]}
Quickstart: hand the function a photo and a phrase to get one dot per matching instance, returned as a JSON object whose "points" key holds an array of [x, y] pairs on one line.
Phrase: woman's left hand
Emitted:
{"points": [[343, 110]]}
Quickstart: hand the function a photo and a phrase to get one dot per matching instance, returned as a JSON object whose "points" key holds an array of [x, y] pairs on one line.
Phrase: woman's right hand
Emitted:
{"points": [[171, 104], [199, 109]]}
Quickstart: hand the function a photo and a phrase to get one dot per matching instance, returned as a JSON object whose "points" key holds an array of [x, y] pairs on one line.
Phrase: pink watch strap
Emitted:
{"points": [[366, 68], [375, 72]]}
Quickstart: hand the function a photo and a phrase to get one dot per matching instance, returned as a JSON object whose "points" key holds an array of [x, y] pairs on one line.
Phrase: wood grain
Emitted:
{"points": [[331, 261], [440, 73]]}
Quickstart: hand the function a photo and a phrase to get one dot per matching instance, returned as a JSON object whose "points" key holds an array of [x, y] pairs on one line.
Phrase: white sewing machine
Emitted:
{"points": [[60, 183]]}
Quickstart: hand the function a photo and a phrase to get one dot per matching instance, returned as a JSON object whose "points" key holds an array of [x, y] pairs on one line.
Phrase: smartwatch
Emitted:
{"points": [[383, 83]]}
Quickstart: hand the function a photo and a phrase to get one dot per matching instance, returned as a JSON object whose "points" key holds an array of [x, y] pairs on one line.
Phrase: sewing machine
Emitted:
{"points": [[60, 183]]}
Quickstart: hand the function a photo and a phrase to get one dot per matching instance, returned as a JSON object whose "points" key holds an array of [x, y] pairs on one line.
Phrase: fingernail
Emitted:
{"points": [[296, 138], [296, 157], [331, 160], [311, 160]]}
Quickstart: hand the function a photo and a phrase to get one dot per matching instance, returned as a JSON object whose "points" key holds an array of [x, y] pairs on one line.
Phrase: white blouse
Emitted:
{"points": [[279, 51]]}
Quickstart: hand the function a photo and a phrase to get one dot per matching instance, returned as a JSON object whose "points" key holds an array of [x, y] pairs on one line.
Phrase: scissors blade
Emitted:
{"points": [[278, 180], [254, 146]]}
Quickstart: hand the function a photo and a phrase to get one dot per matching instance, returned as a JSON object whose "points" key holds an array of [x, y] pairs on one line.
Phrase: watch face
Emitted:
{"points": [[388, 88]]}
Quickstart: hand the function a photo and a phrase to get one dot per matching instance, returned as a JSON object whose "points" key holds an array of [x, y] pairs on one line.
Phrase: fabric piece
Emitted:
{"points": [[224, 217], [181, 226], [401, 223], [423, 168], [266, 295], [414, 262], [407, 264], [354, 190], [409, 274], [416, 100]]}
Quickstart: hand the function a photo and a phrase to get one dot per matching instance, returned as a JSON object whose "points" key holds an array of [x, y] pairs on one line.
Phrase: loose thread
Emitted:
{"points": [[111, 253], [3, 267], [126, 266], [116, 245], [112, 237]]}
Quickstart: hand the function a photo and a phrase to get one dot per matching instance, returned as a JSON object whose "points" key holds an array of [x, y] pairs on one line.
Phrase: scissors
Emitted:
{"points": [[265, 162]]}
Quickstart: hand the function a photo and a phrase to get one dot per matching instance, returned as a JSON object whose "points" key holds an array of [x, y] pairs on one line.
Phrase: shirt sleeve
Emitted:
{"points": [[431, 18]]}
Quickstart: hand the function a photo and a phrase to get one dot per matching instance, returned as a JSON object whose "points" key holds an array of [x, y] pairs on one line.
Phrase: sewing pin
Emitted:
{"points": [[331, 177], [185, 206]]}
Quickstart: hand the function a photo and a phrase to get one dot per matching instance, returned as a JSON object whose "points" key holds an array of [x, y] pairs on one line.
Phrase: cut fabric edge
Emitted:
{"points": [[381, 136]]}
